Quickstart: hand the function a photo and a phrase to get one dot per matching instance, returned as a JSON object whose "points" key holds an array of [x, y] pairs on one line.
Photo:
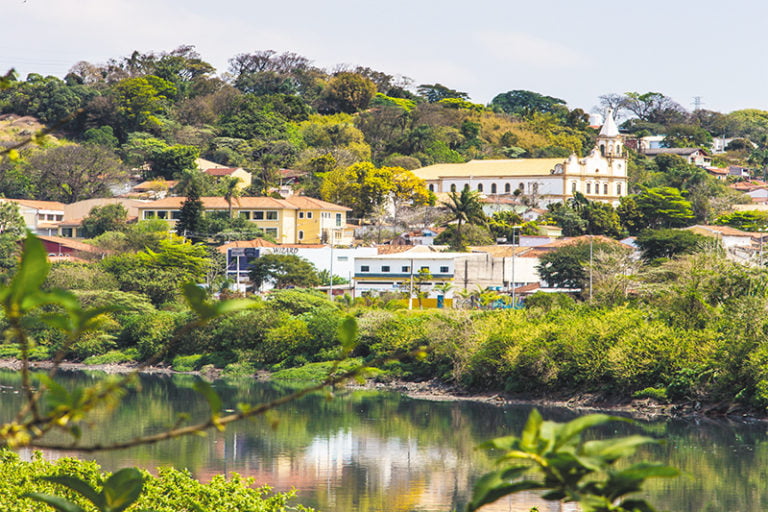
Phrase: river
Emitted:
{"points": [[366, 451]]}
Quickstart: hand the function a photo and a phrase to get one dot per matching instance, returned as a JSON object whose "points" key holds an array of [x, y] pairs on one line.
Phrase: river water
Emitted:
{"points": [[366, 451]]}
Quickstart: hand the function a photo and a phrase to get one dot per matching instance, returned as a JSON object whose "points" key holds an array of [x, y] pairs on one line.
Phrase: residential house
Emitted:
{"points": [[694, 156], [59, 248], [718, 173], [219, 173], [600, 176], [40, 217]]}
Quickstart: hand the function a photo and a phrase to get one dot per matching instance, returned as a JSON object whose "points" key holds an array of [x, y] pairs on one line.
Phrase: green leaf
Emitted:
{"points": [[612, 449], [76, 484], [196, 299], [348, 333], [56, 502], [210, 395], [529, 440], [575, 427], [122, 489], [31, 272], [494, 485]]}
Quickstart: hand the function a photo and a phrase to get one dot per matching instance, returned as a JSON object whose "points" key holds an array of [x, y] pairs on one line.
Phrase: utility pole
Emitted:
{"points": [[590, 268], [514, 253]]}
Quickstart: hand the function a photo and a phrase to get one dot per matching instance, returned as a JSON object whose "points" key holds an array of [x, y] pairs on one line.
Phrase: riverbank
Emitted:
{"points": [[436, 390]]}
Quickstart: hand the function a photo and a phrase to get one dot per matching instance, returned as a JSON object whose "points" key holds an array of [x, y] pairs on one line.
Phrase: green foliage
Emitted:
{"points": [[569, 468], [284, 270], [170, 491], [748, 220], [567, 266], [110, 217], [525, 103], [119, 492], [668, 243], [464, 208]]}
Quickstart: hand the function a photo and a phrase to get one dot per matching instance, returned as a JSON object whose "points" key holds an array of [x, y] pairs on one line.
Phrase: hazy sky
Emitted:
{"points": [[568, 49]]}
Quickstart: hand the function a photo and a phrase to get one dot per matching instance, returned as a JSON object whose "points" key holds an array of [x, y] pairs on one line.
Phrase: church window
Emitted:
{"points": [[453, 187], [493, 188], [602, 149], [521, 187], [573, 187], [431, 187], [605, 189], [535, 188], [507, 188], [479, 187], [589, 188], [618, 189], [466, 186]]}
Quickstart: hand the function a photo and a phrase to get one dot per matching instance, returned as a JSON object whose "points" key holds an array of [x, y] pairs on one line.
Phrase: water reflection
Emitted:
{"points": [[371, 451]]}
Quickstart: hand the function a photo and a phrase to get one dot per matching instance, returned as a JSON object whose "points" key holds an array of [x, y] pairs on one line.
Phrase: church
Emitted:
{"points": [[600, 176]]}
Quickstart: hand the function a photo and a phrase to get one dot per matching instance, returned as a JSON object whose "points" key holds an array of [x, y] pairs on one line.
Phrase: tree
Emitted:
{"points": [[73, 173], [668, 243], [686, 136], [362, 187], [231, 190], [12, 230], [436, 92], [110, 217], [567, 266], [654, 107], [347, 92], [285, 270], [142, 102], [654, 208], [525, 103], [463, 207], [191, 213]]}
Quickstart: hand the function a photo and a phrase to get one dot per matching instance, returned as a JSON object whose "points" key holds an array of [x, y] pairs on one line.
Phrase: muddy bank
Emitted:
{"points": [[647, 409]]}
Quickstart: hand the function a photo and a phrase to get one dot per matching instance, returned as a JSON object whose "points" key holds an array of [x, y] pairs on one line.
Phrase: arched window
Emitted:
{"points": [[618, 149], [479, 187], [431, 187], [534, 188], [589, 188], [493, 188], [605, 189], [466, 186], [618, 189], [602, 149], [521, 187], [453, 187], [301, 235], [573, 187], [507, 188]]}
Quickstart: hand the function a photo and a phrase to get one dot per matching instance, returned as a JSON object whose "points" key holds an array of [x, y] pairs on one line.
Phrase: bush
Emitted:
{"points": [[114, 357], [171, 490], [188, 363]]}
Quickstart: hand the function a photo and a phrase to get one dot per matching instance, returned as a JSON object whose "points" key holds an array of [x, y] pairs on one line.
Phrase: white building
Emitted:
{"points": [[600, 176]]}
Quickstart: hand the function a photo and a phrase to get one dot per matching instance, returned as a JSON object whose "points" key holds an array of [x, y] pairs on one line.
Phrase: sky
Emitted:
{"points": [[571, 50]]}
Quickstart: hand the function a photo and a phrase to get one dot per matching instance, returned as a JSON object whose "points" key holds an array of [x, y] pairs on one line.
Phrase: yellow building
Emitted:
{"points": [[296, 220]]}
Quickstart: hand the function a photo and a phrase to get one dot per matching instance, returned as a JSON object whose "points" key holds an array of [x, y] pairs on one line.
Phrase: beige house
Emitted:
{"points": [[297, 220]]}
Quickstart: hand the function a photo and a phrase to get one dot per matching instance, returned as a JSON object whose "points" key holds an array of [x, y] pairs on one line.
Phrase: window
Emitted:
{"points": [[597, 170], [338, 220], [309, 215], [342, 258], [301, 235], [589, 188], [443, 270], [257, 215], [453, 188], [573, 187], [271, 215], [271, 232], [507, 188], [466, 186], [175, 214], [521, 187], [385, 268], [605, 189], [618, 189], [406, 269], [602, 149], [365, 268], [66, 232], [535, 188], [493, 188], [424, 269], [301, 215], [162, 214], [479, 187], [431, 187], [245, 215], [149, 214]]}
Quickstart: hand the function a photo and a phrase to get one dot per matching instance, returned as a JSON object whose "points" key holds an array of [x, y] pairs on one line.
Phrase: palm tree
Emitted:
{"points": [[464, 207], [231, 190]]}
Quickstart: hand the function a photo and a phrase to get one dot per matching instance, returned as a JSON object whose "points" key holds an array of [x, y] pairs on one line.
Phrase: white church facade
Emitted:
{"points": [[600, 176]]}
